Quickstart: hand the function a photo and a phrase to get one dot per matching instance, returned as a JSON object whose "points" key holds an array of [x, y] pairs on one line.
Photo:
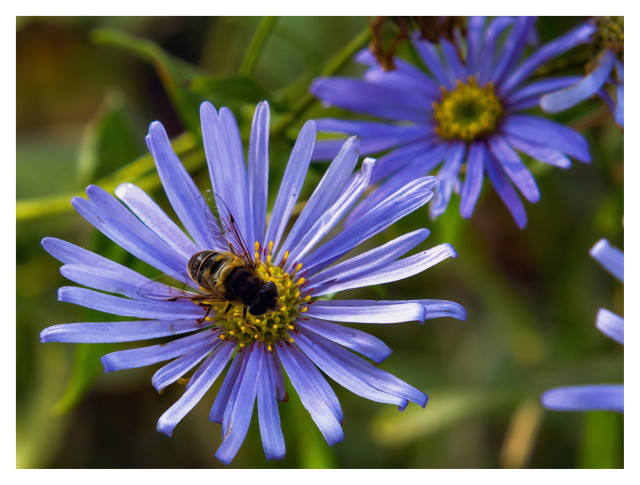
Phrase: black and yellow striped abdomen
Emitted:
{"points": [[227, 276]]}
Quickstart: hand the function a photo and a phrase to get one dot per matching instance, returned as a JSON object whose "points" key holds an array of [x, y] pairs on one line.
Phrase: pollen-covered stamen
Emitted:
{"points": [[273, 326], [611, 33], [468, 111]]}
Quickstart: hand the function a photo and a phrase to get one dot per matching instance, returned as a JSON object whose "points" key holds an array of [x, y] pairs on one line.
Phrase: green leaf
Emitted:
{"points": [[109, 141], [602, 441], [173, 73], [445, 408], [221, 90], [140, 171]]}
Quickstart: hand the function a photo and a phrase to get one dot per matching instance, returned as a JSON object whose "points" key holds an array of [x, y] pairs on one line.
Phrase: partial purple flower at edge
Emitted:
{"points": [[464, 115], [604, 397], [304, 335], [608, 59]]}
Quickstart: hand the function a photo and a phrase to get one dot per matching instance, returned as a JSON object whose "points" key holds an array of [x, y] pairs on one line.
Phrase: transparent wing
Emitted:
{"points": [[168, 289], [232, 235]]}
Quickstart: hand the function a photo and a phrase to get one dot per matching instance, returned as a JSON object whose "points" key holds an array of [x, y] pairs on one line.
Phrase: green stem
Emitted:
{"points": [[257, 45], [334, 64], [29, 209]]}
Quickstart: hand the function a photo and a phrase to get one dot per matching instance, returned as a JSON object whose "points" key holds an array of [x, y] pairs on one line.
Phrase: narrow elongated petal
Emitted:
{"points": [[358, 375], [610, 257], [370, 260], [535, 89], [587, 87], [327, 191], [579, 35], [619, 113], [384, 311], [539, 152], [291, 183], [155, 218], [397, 205], [495, 28], [605, 397], [312, 400], [473, 180], [404, 75], [126, 284], [401, 269], [408, 155], [242, 407], [377, 136], [112, 219], [87, 262], [130, 331], [174, 370], [268, 415], [185, 198], [317, 381], [421, 164], [513, 47], [611, 325], [448, 178], [223, 397], [275, 370], [220, 138], [429, 55], [474, 42], [214, 366], [555, 135], [514, 168], [351, 338], [258, 170], [335, 213], [458, 69], [241, 212], [161, 310], [129, 359], [355, 95], [506, 192]]}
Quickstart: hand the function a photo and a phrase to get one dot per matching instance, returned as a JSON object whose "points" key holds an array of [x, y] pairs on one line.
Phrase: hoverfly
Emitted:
{"points": [[223, 276]]}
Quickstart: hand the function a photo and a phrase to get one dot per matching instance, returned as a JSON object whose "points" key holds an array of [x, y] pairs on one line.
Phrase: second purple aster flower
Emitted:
{"points": [[278, 323], [464, 115]]}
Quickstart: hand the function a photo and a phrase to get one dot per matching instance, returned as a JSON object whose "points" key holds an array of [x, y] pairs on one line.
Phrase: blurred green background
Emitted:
{"points": [[87, 89]]}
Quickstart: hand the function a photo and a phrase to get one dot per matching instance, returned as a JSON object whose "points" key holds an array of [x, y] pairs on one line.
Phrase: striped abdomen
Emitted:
{"points": [[205, 267]]}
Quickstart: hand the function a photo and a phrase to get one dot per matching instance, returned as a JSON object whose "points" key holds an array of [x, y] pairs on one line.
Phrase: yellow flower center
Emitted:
{"points": [[611, 33], [279, 324], [468, 111]]}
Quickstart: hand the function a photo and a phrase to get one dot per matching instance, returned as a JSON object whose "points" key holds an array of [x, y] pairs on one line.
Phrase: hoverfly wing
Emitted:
{"points": [[233, 239], [167, 289], [211, 218]]}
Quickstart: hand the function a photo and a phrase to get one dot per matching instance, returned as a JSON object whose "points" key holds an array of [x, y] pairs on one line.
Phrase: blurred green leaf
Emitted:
{"points": [[601, 443], [109, 141], [136, 172], [257, 44], [332, 66], [86, 365], [173, 73], [220, 90], [445, 408]]}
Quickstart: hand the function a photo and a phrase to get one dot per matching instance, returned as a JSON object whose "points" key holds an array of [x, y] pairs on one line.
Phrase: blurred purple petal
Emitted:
{"points": [[605, 397]]}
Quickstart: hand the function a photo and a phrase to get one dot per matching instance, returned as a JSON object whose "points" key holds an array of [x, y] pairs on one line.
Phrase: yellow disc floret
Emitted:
{"points": [[277, 325], [468, 111]]}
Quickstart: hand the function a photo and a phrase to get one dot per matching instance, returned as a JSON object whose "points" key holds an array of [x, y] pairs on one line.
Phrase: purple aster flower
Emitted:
{"points": [[610, 40], [464, 115], [604, 397], [303, 334]]}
